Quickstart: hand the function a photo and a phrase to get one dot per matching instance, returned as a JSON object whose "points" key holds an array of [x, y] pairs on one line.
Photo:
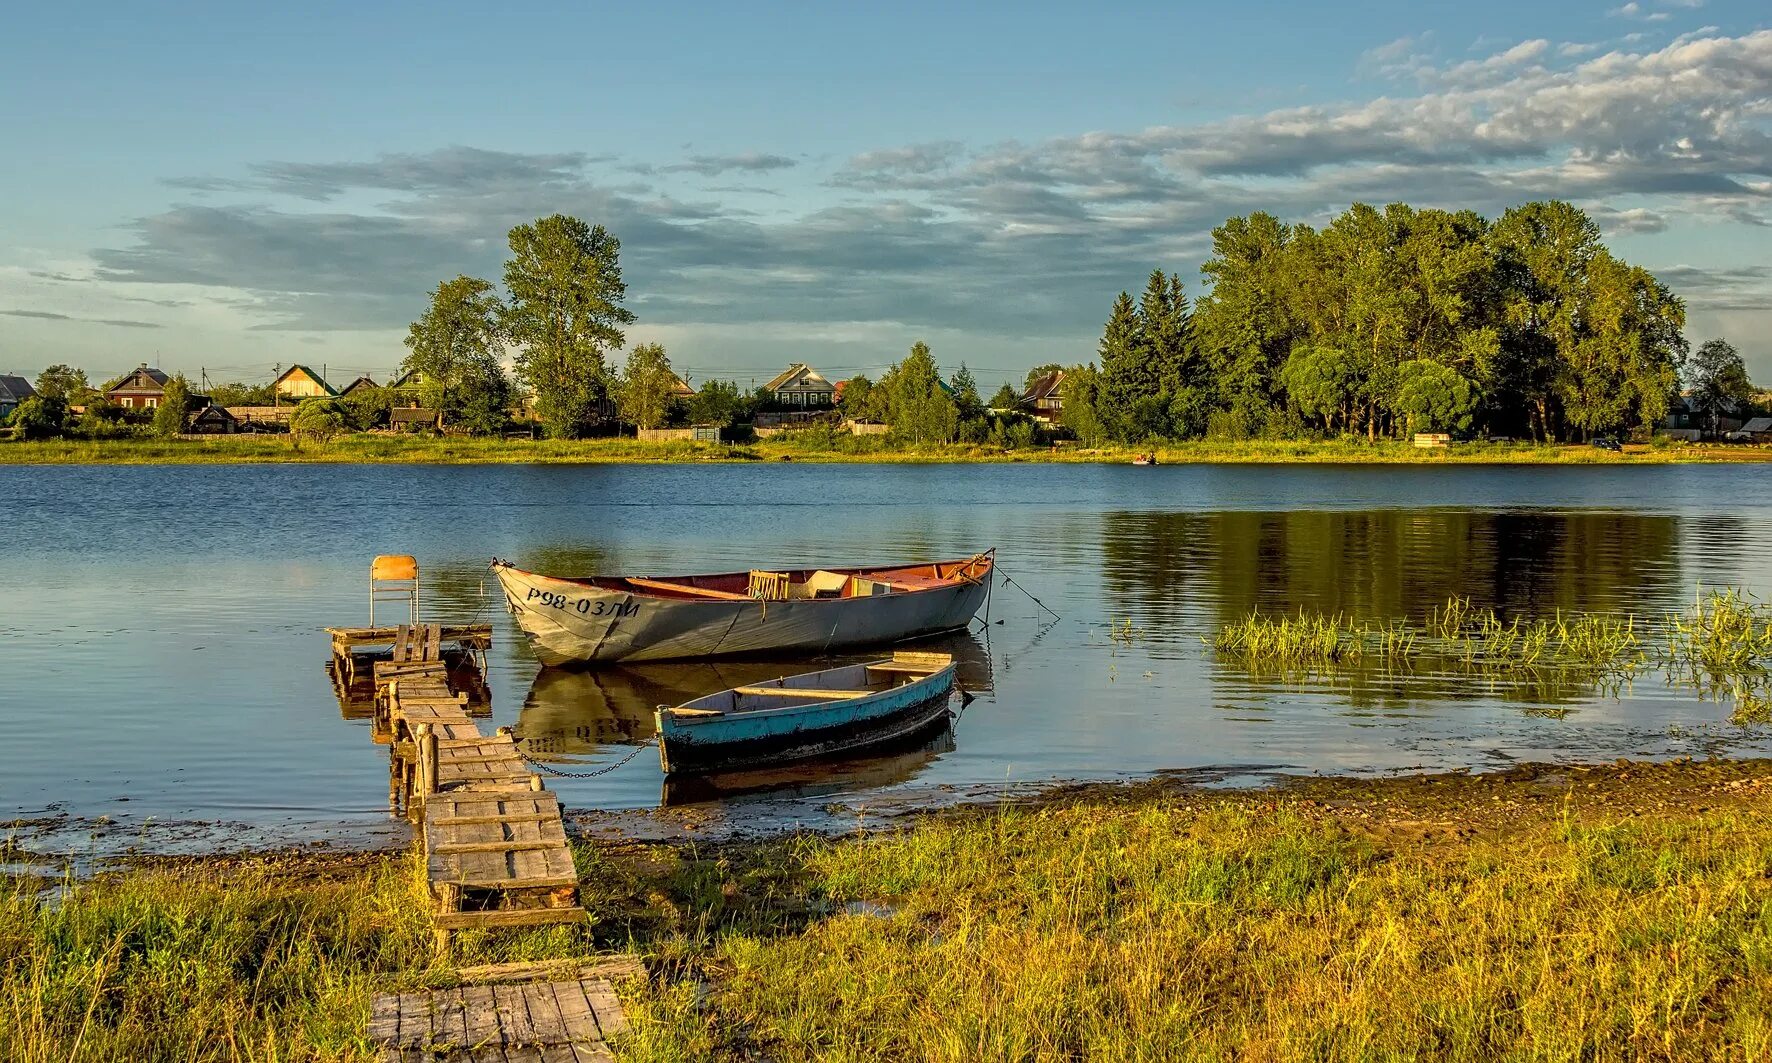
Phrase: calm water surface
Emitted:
{"points": [[163, 660]]}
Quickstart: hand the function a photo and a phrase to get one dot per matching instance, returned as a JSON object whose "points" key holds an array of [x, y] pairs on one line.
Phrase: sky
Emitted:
{"points": [[221, 190]]}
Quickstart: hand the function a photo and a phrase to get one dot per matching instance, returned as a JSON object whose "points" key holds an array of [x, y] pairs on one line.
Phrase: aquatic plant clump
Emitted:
{"points": [[1722, 648]]}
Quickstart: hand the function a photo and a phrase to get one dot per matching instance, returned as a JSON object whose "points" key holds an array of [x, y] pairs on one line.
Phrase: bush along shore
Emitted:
{"points": [[813, 447], [1569, 913]]}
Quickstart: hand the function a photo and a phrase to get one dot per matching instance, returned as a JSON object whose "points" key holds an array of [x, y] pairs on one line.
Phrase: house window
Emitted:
{"points": [[152, 403]]}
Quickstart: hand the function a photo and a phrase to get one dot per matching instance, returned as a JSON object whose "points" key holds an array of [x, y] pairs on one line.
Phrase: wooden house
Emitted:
{"points": [[141, 388], [1044, 399], [801, 386], [213, 420], [680, 388], [362, 383], [13, 390], [406, 388], [1756, 430], [298, 382], [407, 418]]}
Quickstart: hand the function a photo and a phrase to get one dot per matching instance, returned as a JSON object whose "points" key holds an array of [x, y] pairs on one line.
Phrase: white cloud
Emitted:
{"points": [[1007, 240]]}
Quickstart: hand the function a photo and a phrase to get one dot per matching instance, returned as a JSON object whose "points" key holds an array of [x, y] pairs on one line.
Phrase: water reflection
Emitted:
{"points": [[887, 765], [1387, 564]]}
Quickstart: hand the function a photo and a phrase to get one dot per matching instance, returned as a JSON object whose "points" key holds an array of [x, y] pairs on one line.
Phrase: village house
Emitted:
{"points": [[801, 386], [680, 388], [212, 420], [1756, 430], [13, 390], [298, 382], [140, 389], [1044, 399], [362, 383]]}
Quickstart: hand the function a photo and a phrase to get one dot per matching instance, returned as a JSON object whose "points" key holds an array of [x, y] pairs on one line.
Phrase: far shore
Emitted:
{"points": [[423, 450]]}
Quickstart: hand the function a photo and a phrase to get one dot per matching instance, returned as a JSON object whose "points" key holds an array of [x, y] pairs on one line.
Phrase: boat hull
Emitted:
{"points": [[759, 739], [571, 621]]}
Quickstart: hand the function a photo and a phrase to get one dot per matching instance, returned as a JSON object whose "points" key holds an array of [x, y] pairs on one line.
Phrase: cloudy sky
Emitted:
{"points": [[208, 187]]}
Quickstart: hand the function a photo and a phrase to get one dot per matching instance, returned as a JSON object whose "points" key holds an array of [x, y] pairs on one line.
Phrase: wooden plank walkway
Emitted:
{"points": [[496, 855], [495, 846], [541, 1021]]}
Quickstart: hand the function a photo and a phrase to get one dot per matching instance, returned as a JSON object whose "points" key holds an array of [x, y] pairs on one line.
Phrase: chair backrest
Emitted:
{"points": [[394, 578], [769, 586]]}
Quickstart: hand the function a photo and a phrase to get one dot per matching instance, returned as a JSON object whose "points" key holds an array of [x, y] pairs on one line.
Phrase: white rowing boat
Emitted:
{"points": [[634, 618]]}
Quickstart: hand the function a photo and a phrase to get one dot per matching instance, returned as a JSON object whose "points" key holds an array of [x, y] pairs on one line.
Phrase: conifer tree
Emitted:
{"points": [[1123, 375]]}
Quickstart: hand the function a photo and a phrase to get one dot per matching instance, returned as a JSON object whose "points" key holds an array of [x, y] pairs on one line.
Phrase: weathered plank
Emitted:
{"points": [[508, 918], [600, 995], [612, 968]]}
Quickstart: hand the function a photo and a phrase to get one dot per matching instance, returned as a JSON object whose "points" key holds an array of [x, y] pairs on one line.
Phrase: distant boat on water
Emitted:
{"points": [[800, 717], [756, 612]]}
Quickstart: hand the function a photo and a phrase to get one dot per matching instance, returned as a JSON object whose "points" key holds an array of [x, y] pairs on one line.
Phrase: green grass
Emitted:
{"points": [[463, 450], [1257, 931], [254, 959], [1619, 913]]}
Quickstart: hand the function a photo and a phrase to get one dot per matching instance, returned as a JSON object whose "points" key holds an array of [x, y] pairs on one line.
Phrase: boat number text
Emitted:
{"points": [[584, 606]]}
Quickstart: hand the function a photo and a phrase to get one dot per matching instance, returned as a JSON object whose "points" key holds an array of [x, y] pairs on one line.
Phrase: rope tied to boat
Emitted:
{"points": [[1024, 590]]}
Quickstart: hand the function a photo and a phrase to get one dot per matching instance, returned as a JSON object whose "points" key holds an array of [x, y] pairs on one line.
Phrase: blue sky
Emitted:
{"points": [[209, 187]]}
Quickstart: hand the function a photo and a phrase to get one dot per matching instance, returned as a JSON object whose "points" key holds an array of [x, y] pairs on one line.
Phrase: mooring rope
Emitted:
{"points": [[1024, 590]]}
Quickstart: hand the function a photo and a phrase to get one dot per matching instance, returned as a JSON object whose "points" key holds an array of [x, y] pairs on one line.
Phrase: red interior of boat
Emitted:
{"points": [[740, 585]]}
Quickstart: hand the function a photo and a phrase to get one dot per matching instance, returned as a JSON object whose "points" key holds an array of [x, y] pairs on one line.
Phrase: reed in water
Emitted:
{"points": [[1722, 647]]}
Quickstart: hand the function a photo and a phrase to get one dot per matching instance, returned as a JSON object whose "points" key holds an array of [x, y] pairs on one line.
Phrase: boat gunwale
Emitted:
{"points": [[589, 583], [790, 710]]}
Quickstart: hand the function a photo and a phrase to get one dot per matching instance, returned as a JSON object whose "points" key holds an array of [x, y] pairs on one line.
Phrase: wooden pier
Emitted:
{"points": [[495, 849], [494, 843]]}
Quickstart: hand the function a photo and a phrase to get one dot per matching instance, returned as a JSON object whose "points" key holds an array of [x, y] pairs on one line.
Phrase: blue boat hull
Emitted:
{"points": [[758, 739]]}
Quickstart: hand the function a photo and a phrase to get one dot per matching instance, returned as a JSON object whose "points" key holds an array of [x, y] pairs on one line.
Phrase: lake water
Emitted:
{"points": [[163, 659]]}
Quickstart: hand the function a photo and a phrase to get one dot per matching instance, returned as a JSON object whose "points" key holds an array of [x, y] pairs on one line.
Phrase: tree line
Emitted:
{"points": [[1385, 322], [1397, 320]]}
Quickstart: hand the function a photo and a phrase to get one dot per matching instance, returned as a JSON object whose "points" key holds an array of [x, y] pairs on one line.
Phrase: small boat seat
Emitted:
{"points": [[901, 581]]}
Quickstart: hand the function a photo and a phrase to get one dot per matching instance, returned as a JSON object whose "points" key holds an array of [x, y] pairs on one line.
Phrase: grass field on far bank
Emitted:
{"points": [[1583, 913], [395, 449]]}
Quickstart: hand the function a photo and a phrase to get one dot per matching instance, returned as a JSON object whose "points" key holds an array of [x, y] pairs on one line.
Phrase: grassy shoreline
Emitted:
{"points": [[393, 449], [1597, 912]]}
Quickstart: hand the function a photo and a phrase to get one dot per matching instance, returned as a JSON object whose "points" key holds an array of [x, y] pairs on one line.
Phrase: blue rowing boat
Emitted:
{"points": [[800, 717]]}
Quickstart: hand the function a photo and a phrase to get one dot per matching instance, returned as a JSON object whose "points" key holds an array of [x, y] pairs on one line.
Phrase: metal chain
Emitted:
{"points": [[586, 774]]}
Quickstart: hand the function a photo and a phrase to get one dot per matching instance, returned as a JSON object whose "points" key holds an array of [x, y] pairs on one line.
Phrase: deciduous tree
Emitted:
{"points": [[62, 382], [644, 396], [456, 345], [173, 413], [565, 311], [1718, 379]]}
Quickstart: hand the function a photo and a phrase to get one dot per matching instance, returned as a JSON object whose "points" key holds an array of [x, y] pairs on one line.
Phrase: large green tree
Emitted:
{"points": [[564, 313], [965, 394], [717, 402], [174, 411], [644, 395], [1321, 382], [62, 382], [1431, 397], [1718, 381], [457, 345], [918, 408], [1244, 323], [1126, 370]]}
